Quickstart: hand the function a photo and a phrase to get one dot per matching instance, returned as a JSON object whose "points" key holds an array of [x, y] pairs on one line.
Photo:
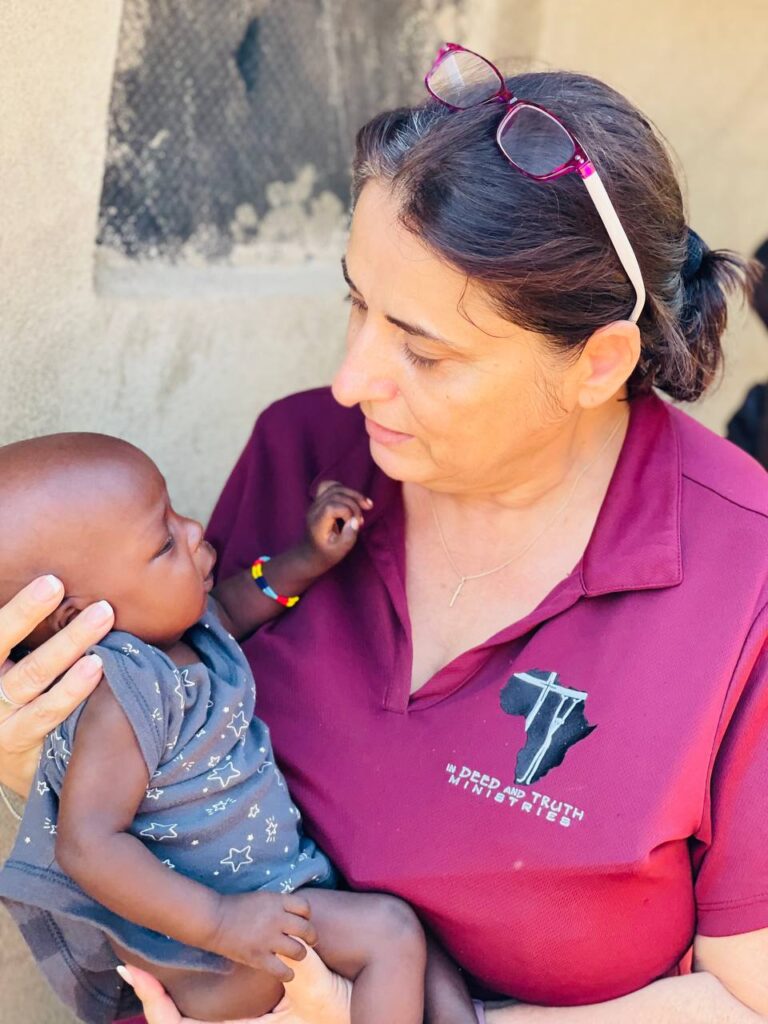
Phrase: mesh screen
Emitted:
{"points": [[232, 123]]}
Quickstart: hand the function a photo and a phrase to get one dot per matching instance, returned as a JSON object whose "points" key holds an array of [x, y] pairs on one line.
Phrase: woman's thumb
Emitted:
{"points": [[157, 1005]]}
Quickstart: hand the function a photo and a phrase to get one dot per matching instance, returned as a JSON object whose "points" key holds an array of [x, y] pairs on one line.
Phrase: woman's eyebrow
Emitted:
{"points": [[412, 329]]}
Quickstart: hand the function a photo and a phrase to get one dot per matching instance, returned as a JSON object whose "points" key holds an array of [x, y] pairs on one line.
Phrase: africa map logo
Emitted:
{"points": [[554, 720]]}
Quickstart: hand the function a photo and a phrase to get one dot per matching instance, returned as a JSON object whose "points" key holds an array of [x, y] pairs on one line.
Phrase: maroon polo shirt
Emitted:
{"points": [[568, 802]]}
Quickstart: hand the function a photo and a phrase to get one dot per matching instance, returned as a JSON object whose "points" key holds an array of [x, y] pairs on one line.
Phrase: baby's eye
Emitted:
{"points": [[168, 546]]}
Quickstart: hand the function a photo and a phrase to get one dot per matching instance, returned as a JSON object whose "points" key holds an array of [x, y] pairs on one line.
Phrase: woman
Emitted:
{"points": [[534, 701]]}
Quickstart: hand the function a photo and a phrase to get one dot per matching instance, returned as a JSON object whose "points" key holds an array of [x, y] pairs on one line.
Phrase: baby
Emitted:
{"points": [[159, 831]]}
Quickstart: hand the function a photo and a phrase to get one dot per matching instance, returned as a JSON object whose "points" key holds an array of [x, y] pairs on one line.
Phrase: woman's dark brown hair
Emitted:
{"points": [[540, 249]]}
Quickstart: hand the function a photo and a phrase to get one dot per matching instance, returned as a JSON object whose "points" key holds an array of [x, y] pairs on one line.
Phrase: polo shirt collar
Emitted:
{"points": [[636, 542]]}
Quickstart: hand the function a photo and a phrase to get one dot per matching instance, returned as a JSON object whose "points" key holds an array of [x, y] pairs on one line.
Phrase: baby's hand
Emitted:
{"points": [[334, 519], [255, 926]]}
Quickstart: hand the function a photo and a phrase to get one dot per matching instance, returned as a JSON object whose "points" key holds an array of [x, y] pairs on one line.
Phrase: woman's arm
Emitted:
{"points": [[698, 998], [26, 682]]}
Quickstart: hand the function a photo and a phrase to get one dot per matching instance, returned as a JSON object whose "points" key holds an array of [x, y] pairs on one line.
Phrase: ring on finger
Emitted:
{"points": [[5, 699]]}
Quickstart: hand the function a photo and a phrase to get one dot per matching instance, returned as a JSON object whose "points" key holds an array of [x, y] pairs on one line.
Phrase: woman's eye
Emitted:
{"points": [[418, 360], [355, 302]]}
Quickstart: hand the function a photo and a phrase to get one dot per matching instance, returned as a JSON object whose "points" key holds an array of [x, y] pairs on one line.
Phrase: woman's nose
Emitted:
{"points": [[364, 375]]}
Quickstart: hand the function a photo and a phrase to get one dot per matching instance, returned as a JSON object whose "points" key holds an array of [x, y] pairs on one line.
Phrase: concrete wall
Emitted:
{"points": [[180, 360]]}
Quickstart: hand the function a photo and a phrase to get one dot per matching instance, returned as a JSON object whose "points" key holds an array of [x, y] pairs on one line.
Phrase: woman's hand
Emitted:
{"points": [[314, 996], [30, 710]]}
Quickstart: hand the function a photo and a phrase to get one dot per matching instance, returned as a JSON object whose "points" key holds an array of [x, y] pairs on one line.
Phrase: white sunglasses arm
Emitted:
{"points": [[619, 238]]}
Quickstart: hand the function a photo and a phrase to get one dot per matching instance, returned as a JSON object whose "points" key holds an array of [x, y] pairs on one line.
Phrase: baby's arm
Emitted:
{"points": [[104, 785], [333, 521]]}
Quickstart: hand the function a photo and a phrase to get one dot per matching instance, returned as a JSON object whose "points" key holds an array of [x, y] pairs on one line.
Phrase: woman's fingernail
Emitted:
{"points": [[93, 665], [46, 587], [99, 613], [354, 524], [125, 974]]}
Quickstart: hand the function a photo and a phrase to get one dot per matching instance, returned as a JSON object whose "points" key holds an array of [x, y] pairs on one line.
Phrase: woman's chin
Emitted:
{"points": [[398, 462]]}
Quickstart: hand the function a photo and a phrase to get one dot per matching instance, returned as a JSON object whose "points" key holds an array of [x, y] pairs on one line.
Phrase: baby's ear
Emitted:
{"points": [[68, 610]]}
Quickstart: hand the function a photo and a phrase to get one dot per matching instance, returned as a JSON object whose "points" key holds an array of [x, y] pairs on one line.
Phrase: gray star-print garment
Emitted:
{"points": [[216, 809]]}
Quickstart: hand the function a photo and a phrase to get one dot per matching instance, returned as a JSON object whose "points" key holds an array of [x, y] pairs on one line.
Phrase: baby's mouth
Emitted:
{"points": [[208, 579]]}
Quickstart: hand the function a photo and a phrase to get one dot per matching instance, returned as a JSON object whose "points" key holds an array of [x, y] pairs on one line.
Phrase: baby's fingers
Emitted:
{"points": [[300, 928], [332, 489], [286, 946], [293, 903], [274, 966]]}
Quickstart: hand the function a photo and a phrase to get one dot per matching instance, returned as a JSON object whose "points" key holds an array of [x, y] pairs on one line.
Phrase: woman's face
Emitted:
{"points": [[454, 396]]}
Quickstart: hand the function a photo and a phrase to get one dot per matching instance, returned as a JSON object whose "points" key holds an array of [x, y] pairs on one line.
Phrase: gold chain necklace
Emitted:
{"points": [[466, 578]]}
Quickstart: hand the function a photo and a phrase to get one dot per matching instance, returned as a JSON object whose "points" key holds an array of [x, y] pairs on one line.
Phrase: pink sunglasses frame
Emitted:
{"points": [[579, 163]]}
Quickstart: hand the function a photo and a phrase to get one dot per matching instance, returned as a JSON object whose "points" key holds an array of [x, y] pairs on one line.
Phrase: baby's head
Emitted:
{"points": [[94, 511]]}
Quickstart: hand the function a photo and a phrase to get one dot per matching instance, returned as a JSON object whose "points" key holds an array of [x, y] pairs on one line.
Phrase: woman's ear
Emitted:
{"points": [[68, 610], [607, 361]]}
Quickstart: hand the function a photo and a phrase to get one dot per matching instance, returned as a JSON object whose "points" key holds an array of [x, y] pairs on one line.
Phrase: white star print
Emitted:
{"points": [[236, 862], [170, 864], [224, 775], [195, 842], [185, 680], [50, 826], [254, 811], [43, 787], [156, 715], [220, 805], [271, 830], [154, 794], [287, 886], [66, 753], [151, 832], [241, 726], [263, 767], [213, 760], [129, 649]]}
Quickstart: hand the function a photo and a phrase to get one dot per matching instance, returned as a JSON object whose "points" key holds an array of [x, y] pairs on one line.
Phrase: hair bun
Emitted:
{"points": [[696, 252]]}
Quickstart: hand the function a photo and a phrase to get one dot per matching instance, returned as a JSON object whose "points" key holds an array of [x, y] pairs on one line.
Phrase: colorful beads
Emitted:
{"points": [[257, 571]]}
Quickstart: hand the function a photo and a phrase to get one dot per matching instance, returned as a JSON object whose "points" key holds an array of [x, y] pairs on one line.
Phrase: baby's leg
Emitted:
{"points": [[200, 995], [377, 942]]}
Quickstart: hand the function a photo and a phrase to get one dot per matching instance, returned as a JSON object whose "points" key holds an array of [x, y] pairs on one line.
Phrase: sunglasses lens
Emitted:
{"points": [[535, 142], [463, 79]]}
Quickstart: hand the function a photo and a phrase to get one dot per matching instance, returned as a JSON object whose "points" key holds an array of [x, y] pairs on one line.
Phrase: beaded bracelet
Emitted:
{"points": [[257, 571]]}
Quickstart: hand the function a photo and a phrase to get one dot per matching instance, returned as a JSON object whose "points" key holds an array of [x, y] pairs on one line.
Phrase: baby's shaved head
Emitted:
{"points": [[56, 493], [94, 511]]}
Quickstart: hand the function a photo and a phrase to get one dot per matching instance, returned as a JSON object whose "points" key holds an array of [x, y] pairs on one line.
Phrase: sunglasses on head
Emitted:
{"points": [[534, 141]]}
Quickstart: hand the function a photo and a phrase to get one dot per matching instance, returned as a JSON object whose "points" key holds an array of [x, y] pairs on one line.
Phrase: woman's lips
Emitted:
{"points": [[383, 435]]}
